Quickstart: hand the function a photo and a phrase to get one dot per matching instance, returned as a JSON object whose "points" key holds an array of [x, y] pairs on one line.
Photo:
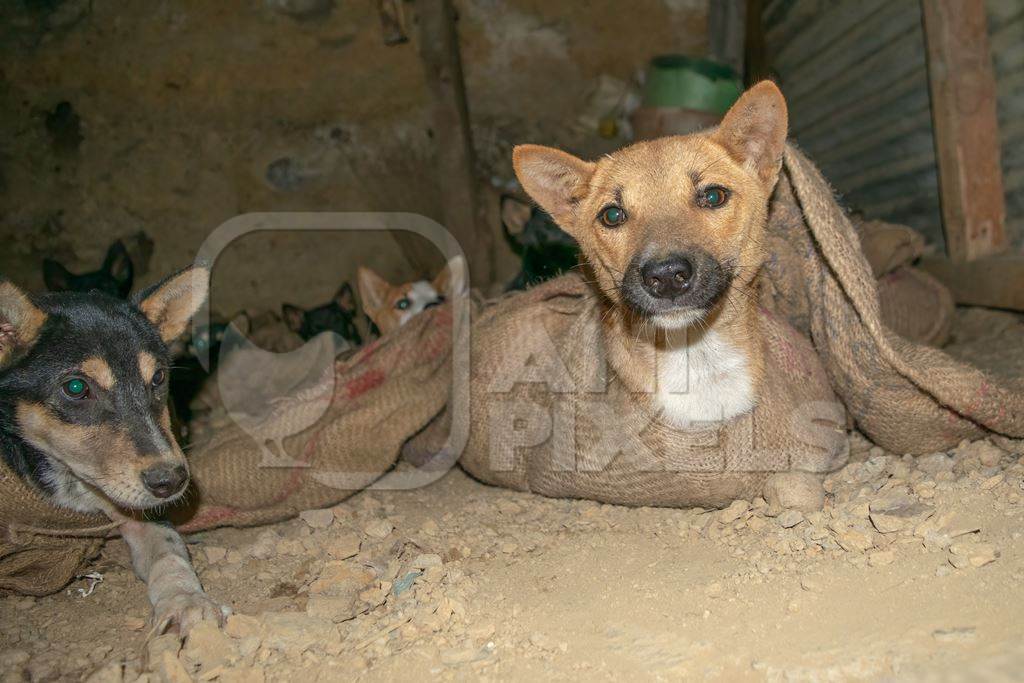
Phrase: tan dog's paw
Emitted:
{"points": [[183, 611]]}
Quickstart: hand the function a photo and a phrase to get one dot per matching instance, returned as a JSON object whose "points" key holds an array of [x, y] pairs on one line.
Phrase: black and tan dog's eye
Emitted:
{"points": [[403, 304], [612, 216], [713, 197], [76, 389], [158, 378]]}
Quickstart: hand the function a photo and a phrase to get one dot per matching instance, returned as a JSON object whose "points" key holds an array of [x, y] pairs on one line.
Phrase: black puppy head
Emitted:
{"points": [[114, 277], [337, 316], [84, 379]]}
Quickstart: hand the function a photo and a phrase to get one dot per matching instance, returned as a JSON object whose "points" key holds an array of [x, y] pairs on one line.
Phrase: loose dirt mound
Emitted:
{"points": [[912, 569]]}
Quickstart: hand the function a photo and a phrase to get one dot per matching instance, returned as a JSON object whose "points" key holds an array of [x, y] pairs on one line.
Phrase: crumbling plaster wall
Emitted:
{"points": [[190, 113]]}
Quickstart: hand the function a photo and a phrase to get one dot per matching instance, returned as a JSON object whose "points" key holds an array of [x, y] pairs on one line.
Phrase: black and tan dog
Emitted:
{"points": [[83, 417]]}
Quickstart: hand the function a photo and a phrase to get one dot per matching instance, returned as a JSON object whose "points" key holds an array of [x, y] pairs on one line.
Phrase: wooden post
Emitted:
{"points": [[963, 95], [456, 159], [727, 32]]}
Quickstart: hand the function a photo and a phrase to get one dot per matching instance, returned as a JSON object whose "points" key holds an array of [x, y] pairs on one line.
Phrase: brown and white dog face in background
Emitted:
{"points": [[83, 392], [391, 306]]}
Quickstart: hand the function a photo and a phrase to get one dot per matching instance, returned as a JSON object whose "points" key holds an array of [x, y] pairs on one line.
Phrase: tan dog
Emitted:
{"points": [[671, 230], [391, 306]]}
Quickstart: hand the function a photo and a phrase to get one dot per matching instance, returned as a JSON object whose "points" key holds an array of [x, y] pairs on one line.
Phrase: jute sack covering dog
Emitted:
{"points": [[549, 416], [374, 402]]}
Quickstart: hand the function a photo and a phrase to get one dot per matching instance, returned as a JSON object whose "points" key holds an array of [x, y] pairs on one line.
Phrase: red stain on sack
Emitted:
{"points": [[358, 386]]}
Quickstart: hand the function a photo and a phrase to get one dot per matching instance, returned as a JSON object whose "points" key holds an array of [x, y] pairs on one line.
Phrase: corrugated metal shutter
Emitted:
{"points": [[855, 77], [1006, 34]]}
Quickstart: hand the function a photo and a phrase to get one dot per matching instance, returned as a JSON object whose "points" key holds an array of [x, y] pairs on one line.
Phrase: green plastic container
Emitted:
{"points": [[691, 83]]}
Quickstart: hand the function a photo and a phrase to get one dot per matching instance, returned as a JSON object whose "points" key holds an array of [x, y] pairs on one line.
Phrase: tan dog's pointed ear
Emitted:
{"points": [[556, 180], [170, 304], [451, 281], [754, 130], [373, 289], [20, 321]]}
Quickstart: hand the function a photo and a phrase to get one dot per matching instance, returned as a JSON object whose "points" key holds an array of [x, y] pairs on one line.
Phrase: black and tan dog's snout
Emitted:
{"points": [[165, 480]]}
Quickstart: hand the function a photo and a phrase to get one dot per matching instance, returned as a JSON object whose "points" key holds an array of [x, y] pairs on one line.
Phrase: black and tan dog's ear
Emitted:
{"points": [[345, 298], [170, 304], [754, 130], [293, 316], [556, 180], [56, 277], [118, 265], [20, 321]]}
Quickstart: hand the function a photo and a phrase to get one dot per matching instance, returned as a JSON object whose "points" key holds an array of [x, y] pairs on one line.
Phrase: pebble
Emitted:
{"points": [[934, 463], [962, 634], [265, 546], [208, 647], [378, 528], [790, 518], [426, 560], [334, 609], [344, 546], [242, 626], [167, 643], [169, 669], [988, 454], [801, 491], [853, 540], [733, 512], [964, 553], [898, 512], [318, 519]]}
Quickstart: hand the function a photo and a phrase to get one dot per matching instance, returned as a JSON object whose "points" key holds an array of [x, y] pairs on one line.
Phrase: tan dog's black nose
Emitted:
{"points": [[667, 278], [163, 481]]}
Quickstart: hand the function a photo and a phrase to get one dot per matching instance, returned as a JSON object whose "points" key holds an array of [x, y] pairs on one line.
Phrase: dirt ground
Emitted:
{"points": [[912, 571]]}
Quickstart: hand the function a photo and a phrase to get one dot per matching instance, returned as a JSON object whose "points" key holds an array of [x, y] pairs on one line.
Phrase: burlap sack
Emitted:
{"points": [[914, 305], [887, 246], [379, 398], [907, 397], [549, 416]]}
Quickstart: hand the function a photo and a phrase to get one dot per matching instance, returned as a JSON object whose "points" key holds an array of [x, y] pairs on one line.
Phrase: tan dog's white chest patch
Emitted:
{"points": [[702, 378]]}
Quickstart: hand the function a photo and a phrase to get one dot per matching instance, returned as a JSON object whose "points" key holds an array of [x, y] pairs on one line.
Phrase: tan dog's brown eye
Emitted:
{"points": [[612, 216], [712, 197], [158, 378], [403, 304]]}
